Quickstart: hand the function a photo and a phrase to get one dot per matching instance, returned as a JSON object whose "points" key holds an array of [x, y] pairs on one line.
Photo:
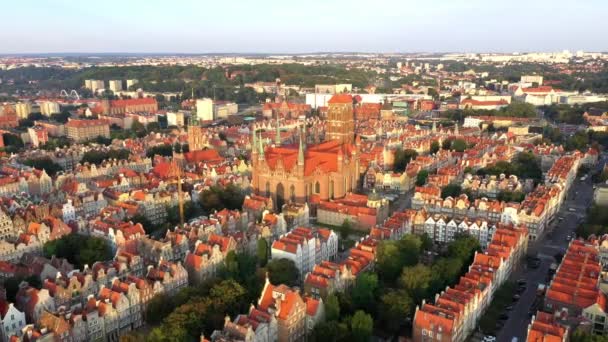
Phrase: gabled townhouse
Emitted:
{"points": [[11, 320], [257, 326], [203, 263], [454, 313], [172, 276], [544, 327]]}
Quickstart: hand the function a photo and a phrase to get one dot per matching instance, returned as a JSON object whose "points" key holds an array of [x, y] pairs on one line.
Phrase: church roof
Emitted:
{"points": [[323, 156]]}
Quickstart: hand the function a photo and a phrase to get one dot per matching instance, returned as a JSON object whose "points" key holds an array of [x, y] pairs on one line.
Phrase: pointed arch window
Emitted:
{"points": [[317, 188]]}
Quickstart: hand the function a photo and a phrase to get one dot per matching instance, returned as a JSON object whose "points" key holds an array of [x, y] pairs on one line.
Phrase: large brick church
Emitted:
{"points": [[301, 173]]}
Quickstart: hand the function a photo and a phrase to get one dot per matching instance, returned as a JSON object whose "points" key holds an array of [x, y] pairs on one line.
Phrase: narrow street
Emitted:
{"points": [[553, 242]]}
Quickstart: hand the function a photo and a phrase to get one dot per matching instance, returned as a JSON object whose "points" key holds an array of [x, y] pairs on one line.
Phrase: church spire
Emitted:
{"points": [[301, 152], [253, 140], [434, 130], [261, 147], [277, 138]]}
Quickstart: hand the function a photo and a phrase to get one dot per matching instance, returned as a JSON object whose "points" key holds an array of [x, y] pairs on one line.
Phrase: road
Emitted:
{"points": [[553, 242]]}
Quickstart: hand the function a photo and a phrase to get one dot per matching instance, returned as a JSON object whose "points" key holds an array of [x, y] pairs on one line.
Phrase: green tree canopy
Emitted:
{"points": [[362, 326], [262, 252], [421, 177], [402, 158], [44, 163], [79, 250], [364, 291], [283, 271]]}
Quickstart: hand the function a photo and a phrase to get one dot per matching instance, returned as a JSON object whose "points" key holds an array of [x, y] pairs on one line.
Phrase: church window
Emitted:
{"points": [[317, 188]]}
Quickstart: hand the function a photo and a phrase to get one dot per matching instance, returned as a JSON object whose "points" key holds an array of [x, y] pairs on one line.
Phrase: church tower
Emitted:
{"points": [[340, 119], [195, 132]]}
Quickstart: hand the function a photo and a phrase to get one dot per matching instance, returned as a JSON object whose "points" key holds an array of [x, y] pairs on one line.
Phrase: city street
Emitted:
{"points": [[553, 242]]}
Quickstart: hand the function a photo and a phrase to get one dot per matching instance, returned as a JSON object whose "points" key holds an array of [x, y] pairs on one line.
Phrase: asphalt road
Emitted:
{"points": [[553, 242]]}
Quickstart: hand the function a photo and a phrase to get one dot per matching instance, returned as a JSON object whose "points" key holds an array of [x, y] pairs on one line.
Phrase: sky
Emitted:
{"points": [[288, 26]]}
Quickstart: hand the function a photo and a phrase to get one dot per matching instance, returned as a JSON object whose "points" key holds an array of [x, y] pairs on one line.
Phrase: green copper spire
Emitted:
{"points": [[301, 152], [261, 146], [277, 138]]}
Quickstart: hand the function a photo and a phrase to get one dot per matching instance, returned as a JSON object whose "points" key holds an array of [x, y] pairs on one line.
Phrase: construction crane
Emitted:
{"points": [[176, 171]]}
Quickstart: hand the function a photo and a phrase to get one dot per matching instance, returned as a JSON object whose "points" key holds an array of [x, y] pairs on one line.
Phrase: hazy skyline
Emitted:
{"points": [[269, 26]]}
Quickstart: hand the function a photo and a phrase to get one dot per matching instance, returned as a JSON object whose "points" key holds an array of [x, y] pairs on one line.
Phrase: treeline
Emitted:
{"points": [[515, 109], [404, 276]]}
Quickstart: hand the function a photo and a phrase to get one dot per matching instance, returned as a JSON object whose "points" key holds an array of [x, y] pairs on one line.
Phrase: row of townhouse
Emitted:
{"points": [[306, 247], [106, 306], [443, 229], [204, 261], [455, 312], [536, 211], [362, 211], [86, 172], [490, 186], [576, 294], [31, 239], [282, 314]]}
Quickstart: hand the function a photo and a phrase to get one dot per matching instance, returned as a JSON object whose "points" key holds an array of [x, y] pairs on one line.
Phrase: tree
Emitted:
{"points": [[459, 145], [452, 190], [159, 307], [153, 127], [61, 117], [364, 291], [283, 271], [145, 222], [217, 198], [362, 326], [518, 109], [12, 285], [395, 306], [329, 331], [161, 150], [581, 335], [392, 256], [402, 158], [262, 252], [511, 196], [79, 250], [463, 247], [44, 163], [447, 144], [332, 308], [416, 280], [435, 147], [12, 140], [421, 177], [345, 229], [138, 128]]}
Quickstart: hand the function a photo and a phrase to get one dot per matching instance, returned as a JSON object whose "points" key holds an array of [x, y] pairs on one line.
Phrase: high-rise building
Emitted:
{"points": [[49, 107], [340, 119], [94, 85], [115, 85], [83, 130], [204, 109], [23, 109], [131, 83]]}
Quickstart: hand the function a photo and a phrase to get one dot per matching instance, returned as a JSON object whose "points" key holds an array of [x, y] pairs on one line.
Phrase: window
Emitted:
{"points": [[292, 193], [267, 189], [317, 188]]}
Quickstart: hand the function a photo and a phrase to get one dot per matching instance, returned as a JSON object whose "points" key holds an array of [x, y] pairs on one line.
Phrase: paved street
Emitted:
{"points": [[579, 198]]}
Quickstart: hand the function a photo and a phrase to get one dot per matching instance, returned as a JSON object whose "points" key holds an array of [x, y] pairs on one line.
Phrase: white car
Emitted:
{"points": [[489, 338]]}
